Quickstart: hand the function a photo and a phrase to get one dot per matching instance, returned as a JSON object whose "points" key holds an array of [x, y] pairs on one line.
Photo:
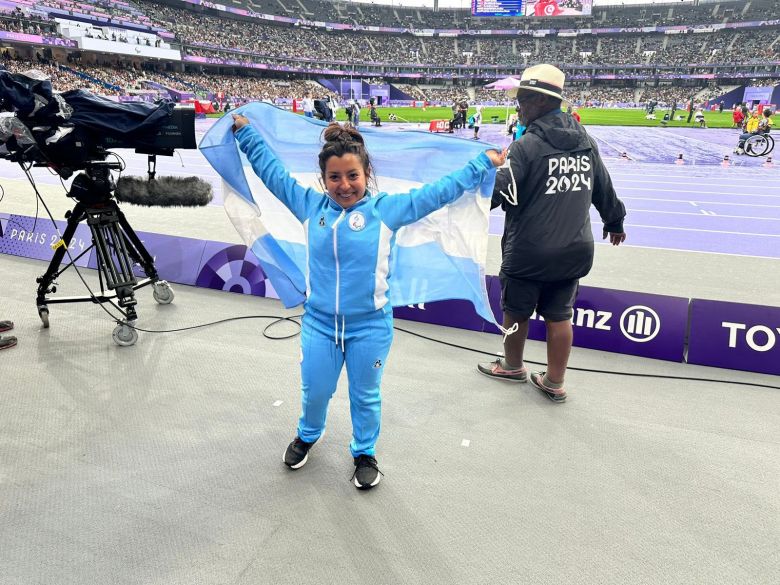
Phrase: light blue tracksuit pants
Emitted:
{"points": [[327, 342]]}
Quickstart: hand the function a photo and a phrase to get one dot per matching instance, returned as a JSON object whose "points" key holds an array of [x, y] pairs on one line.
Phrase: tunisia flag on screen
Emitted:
{"points": [[547, 8]]}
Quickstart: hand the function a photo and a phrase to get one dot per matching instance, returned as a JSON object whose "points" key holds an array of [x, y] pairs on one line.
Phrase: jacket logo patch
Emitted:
{"points": [[378, 364], [356, 221], [567, 174]]}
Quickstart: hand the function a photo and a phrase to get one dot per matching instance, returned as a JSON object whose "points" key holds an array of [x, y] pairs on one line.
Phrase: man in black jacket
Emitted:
{"points": [[554, 176], [322, 110]]}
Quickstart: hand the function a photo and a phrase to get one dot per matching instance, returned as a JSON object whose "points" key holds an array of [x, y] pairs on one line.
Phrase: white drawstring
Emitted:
{"points": [[508, 332], [336, 330], [512, 188]]}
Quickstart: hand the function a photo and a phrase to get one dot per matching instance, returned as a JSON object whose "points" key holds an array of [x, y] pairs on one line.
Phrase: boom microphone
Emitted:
{"points": [[164, 191]]}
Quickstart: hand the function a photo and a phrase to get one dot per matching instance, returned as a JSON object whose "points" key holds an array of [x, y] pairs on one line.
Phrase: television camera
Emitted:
{"points": [[73, 132]]}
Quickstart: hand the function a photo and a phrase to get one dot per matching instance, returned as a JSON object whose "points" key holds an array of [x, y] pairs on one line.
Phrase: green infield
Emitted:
{"points": [[497, 115]]}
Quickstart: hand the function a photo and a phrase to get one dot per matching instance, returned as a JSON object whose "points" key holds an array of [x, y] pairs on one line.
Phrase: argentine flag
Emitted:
{"points": [[439, 257]]}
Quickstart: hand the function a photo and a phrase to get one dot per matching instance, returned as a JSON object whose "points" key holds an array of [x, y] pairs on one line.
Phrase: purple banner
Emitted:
{"points": [[726, 335], [458, 314], [177, 259], [180, 96], [37, 39], [624, 322], [632, 323], [735, 336], [218, 265], [232, 268], [24, 236]]}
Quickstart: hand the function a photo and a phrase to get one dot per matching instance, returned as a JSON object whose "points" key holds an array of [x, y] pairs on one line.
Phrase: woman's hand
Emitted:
{"points": [[239, 122], [497, 158]]}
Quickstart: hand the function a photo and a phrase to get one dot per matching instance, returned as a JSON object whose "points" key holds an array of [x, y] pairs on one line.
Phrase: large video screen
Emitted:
{"points": [[540, 8], [497, 7]]}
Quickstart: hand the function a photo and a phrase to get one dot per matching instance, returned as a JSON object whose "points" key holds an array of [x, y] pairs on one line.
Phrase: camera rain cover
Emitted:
{"points": [[135, 123], [75, 126]]}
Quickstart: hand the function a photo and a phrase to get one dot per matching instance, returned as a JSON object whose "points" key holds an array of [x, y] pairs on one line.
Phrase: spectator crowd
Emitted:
{"points": [[251, 40], [614, 15], [235, 42]]}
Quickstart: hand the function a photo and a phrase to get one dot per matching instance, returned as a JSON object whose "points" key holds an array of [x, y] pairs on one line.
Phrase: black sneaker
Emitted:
{"points": [[367, 474], [297, 453]]}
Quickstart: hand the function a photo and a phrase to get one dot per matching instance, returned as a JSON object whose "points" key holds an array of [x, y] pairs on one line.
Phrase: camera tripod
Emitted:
{"points": [[118, 249]]}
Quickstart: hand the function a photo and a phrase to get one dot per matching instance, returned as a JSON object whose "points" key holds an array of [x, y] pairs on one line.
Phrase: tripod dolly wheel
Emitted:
{"points": [[124, 335], [162, 292], [43, 313]]}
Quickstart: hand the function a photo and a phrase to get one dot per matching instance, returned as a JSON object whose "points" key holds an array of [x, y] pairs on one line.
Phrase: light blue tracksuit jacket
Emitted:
{"points": [[348, 316]]}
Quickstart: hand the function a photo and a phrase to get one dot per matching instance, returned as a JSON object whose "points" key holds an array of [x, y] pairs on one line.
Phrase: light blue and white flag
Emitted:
{"points": [[439, 257]]}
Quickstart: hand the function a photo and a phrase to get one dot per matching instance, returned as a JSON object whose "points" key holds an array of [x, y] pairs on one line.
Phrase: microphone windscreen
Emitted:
{"points": [[164, 191]]}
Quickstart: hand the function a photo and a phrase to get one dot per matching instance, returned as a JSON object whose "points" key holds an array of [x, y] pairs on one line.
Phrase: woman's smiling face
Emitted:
{"points": [[345, 179]]}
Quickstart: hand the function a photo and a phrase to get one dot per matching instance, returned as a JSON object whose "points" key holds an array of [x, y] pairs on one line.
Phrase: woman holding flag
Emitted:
{"points": [[350, 235]]}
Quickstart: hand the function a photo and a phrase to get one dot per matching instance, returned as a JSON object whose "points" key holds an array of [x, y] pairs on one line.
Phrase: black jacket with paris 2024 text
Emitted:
{"points": [[556, 174]]}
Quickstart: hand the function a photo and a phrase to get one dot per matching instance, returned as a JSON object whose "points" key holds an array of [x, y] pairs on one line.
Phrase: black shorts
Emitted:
{"points": [[554, 301]]}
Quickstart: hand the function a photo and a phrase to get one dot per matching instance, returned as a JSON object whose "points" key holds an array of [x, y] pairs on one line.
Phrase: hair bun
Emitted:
{"points": [[337, 133]]}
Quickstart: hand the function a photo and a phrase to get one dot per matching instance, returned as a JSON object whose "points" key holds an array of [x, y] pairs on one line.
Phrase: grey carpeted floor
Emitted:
{"points": [[160, 463]]}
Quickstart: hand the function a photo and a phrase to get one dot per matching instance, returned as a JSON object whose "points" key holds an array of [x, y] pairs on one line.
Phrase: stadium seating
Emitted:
{"points": [[237, 54]]}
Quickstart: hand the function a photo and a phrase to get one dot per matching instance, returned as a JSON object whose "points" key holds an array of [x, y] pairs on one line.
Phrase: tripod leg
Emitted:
{"points": [[136, 249], [162, 293], [114, 262], [45, 282]]}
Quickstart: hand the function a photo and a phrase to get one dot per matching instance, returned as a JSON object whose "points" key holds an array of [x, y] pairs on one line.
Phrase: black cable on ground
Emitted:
{"points": [[276, 320], [594, 371]]}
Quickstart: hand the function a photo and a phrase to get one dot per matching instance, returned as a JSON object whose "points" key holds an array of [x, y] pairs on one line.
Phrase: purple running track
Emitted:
{"points": [[698, 206]]}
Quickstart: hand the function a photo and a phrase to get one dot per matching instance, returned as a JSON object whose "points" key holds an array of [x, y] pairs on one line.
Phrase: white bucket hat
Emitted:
{"points": [[546, 79]]}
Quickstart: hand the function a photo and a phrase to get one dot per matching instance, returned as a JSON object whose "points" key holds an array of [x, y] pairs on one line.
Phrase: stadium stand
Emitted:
{"points": [[247, 56]]}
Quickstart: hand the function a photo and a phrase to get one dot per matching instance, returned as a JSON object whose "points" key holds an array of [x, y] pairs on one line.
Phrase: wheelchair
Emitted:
{"points": [[759, 145]]}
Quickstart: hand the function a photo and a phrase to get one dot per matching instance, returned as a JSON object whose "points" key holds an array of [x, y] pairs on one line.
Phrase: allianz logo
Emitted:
{"points": [[637, 323]]}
